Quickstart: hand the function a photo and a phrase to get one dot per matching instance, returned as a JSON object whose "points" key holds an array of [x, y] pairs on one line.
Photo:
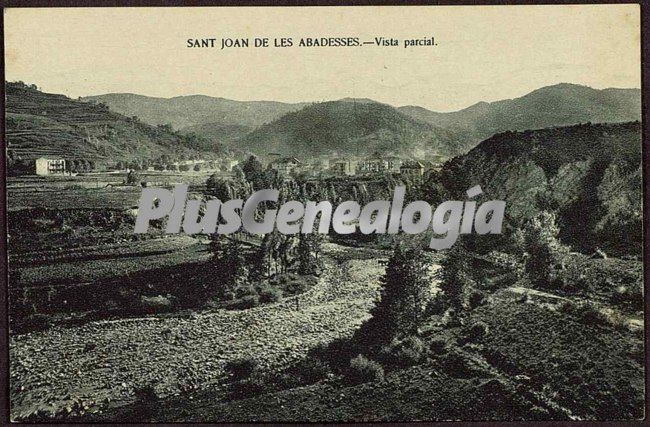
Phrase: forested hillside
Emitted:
{"points": [[590, 175], [349, 128]]}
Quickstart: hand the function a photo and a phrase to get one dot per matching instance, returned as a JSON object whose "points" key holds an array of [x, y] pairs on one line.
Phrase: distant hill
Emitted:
{"points": [[44, 124], [349, 127], [185, 111], [362, 126], [590, 175], [223, 133], [559, 105]]}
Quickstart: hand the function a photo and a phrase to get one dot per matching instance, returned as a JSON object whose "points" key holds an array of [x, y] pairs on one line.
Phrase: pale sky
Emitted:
{"points": [[483, 53]]}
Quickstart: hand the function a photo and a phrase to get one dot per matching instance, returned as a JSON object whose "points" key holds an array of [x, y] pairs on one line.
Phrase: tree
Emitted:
{"points": [[132, 178], [406, 289], [197, 167], [238, 173], [456, 280], [264, 259], [254, 172], [184, 168], [544, 254], [309, 247], [232, 265]]}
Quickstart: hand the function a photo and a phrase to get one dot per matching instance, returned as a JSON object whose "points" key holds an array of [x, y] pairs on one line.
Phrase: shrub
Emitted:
{"points": [[456, 365], [404, 352], [229, 295], [157, 303], [244, 290], [249, 387], [438, 346], [311, 370], [627, 298], [241, 369], [269, 294], [363, 370], [585, 312], [249, 301], [308, 371], [336, 354], [132, 178], [571, 279], [476, 332], [146, 400], [294, 286], [476, 299], [436, 305]]}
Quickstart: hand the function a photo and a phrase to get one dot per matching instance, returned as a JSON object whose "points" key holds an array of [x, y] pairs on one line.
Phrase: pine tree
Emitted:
{"points": [[456, 280], [404, 295], [544, 254], [309, 253]]}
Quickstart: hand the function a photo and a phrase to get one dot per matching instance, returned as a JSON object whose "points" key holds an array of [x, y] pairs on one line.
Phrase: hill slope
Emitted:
{"points": [[349, 128], [223, 133], [590, 175], [185, 111], [40, 124], [559, 105]]}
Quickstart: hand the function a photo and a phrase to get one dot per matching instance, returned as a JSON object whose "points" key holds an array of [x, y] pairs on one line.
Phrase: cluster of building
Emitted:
{"points": [[375, 164], [286, 166], [56, 166]]}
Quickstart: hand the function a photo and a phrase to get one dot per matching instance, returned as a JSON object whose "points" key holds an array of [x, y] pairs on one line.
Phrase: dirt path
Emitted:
{"points": [[109, 360]]}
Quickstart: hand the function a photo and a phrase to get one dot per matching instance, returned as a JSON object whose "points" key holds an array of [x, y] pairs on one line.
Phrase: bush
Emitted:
{"points": [[249, 301], [404, 352], [336, 354], [269, 294], [363, 370], [476, 299], [308, 371], [249, 387], [585, 312], [456, 365], [157, 303], [132, 178], [438, 346], [313, 370], [244, 290], [145, 403], [571, 279], [628, 298], [295, 285], [241, 369], [476, 332], [436, 305]]}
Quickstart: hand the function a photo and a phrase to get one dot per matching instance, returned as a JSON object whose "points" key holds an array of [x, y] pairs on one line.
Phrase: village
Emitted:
{"points": [[321, 167]]}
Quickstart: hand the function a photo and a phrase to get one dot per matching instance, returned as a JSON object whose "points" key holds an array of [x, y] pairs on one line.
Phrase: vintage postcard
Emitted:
{"points": [[324, 214]]}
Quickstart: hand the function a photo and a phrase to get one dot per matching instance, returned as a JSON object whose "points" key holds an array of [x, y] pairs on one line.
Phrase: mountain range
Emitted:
{"points": [[362, 126]]}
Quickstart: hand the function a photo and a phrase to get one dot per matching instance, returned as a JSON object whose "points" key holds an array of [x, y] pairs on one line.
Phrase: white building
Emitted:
{"points": [[45, 166]]}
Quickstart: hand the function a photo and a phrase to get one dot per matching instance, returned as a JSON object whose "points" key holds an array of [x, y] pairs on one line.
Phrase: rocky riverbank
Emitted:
{"points": [[104, 363]]}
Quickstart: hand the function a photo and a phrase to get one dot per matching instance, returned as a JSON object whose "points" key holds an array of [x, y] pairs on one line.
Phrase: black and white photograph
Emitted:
{"points": [[324, 214]]}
